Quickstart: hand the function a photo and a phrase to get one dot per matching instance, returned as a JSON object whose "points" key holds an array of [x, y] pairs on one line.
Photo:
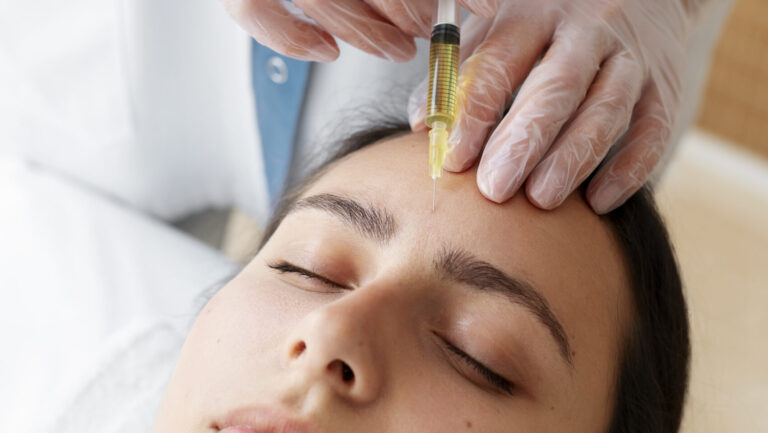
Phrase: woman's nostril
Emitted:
{"points": [[342, 369], [347, 375], [298, 349]]}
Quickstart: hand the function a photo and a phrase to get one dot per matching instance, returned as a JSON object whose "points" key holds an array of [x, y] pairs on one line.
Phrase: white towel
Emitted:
{"points": [[123, 389]]}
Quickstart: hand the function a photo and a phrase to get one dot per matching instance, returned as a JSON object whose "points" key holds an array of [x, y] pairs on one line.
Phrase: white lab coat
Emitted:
{"points": [[114, 116]]}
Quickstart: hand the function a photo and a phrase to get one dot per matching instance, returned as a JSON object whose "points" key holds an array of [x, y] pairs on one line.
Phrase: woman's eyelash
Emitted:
{"points": [[283, 267], [492, 377]]}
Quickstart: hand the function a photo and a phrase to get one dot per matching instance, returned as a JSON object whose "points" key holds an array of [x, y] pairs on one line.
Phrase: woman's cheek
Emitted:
{"points": [[261, 310], [241, 330]]}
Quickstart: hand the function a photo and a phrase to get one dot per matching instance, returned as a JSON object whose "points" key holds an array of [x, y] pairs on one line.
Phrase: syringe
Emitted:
{"points": [[441, 93]]}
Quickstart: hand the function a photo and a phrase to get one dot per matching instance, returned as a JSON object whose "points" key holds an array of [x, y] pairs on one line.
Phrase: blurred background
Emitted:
{"points": [[92, 221], [715, 199]]}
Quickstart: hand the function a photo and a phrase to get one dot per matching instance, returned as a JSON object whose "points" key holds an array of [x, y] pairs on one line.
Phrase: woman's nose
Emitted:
{"points": [[340, 346]]}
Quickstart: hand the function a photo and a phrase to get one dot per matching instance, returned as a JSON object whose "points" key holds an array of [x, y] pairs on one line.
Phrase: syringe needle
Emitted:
{"points": [[441, 94], [434, 193]]}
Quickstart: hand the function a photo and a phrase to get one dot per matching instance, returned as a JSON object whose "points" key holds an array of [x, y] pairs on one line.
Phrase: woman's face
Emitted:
{"points": [[368, 312]]}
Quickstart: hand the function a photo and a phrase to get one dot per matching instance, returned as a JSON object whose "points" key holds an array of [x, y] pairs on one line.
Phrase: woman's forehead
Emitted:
{"points": [[393, 175]]}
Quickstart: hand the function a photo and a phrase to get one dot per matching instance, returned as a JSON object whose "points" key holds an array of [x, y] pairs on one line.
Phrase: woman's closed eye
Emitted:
{"points": [[486, 375], [284, 267]]}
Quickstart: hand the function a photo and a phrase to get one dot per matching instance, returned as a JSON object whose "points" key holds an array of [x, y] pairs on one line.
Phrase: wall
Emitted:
{"points": [[735, 104]]}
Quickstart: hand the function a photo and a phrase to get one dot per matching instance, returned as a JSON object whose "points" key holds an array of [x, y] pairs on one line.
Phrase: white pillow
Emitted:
{"points": [[75, 270]]}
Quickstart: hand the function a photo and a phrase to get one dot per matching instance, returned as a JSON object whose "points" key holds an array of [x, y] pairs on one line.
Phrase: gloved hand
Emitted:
{"points": [[608, 68], [384, 28]]}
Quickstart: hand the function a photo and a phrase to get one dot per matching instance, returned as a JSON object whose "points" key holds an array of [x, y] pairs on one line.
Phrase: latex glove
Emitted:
{"points": [[384, 28], [608, 68]]}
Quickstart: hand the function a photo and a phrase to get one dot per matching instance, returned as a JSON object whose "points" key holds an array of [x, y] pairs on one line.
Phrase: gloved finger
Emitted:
{"points": [[358, 24], [417, 106], [548, 98], [602, 118], [283, 30], [412, 17], [474, 30], [629, 169], [482, 8], [487, 80]]}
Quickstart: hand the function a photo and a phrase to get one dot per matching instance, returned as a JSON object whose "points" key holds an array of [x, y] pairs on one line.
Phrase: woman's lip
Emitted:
{"points": [[263, 419], [238, 429]]}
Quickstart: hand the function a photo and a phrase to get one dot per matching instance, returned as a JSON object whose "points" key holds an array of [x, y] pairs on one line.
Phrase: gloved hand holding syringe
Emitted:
{"points": [[441, 90], [589, 72]]}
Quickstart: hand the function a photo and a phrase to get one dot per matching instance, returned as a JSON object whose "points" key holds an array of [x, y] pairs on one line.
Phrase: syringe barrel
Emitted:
{"points": [[443, 75]]}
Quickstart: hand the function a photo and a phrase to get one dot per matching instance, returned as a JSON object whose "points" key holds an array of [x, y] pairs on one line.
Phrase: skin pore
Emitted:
{"points": [[366, 312]]}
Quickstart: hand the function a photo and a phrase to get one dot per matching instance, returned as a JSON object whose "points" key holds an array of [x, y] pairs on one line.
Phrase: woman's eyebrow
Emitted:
{"points": [[461, 266], [375, 223]]}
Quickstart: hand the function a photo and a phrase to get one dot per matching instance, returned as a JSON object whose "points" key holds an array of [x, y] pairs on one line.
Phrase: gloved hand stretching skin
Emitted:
{"points": [[384, 28], [608, 69]]}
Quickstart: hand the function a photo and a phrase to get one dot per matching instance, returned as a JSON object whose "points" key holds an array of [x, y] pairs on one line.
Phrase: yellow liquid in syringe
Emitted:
{"points": [[441, 94]]}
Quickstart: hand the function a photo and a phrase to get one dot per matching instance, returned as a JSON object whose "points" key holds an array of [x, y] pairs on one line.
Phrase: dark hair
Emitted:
{"points": [[653, 374]]}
